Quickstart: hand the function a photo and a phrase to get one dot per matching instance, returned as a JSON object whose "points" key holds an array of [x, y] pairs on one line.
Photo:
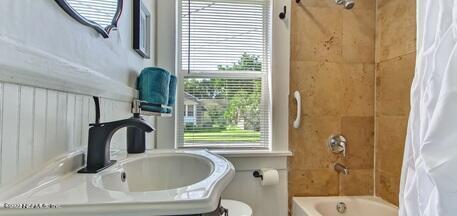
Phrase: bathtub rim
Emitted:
{"points": [[308, 205]]}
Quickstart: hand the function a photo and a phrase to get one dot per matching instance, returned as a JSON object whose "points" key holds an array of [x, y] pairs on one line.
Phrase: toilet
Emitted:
{"points": [[236, 208]]}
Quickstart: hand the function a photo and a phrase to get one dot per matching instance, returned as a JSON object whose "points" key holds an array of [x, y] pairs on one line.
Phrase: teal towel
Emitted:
{"points": [[172, 91], [154, 85]]}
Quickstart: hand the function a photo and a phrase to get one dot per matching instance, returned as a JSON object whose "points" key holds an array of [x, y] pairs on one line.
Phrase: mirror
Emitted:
{"points": [[102, 15]]}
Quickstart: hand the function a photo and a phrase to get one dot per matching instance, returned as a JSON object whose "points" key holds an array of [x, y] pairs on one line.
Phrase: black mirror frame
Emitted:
{"points": [[81, 19]]}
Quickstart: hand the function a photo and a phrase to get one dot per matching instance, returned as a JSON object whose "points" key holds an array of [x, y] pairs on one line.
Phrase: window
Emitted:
{"points": [[225, 67], [190, 111]]}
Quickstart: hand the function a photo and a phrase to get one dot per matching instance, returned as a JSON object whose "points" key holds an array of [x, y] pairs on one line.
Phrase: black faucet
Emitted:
{"points": [[100, 134]]}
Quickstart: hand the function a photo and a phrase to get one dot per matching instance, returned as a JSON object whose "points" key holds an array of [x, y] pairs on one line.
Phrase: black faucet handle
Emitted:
{"points": [[97, 110]]}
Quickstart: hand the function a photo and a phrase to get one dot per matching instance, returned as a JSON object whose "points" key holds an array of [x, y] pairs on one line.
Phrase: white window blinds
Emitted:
{"points": [[225, 61]]}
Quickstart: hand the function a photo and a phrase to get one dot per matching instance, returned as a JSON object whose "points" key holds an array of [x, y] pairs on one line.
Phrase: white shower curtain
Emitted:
{"points": [[429, 175]]}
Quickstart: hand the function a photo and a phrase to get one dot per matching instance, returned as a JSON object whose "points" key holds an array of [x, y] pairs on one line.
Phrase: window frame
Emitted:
{"points": [[179, 129]]}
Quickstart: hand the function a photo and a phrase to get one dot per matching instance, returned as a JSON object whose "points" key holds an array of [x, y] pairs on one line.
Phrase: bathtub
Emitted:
{"points": [[355, 206]]}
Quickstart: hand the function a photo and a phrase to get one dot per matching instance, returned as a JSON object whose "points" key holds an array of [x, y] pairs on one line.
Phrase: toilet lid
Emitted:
{"points": [[236, 208]]}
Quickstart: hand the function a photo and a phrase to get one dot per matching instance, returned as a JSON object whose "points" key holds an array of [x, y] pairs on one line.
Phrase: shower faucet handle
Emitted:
{"points": [[338, 144], [347, 4]]}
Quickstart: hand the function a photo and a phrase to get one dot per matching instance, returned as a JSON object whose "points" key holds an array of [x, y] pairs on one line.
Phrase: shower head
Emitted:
{"points": [[348, 4]]}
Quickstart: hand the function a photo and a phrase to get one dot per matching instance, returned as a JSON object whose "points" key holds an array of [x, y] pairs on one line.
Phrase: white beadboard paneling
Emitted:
{"points": [[61, 123], [121, 110], [106, 109], [51, 145], [39, 127], [10, 131], [26, 124], [1, 133], [108, 114], [78, 121], [38, 124], [150, 136], [70, 122], [91, 114], [85, 119]]}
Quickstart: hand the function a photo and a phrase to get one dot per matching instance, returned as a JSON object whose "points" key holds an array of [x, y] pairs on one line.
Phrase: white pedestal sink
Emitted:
{"points": [[156, 172], [173, 182]]}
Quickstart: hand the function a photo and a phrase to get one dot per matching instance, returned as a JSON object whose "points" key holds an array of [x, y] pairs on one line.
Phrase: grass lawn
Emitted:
{"points": [[226, 135]]}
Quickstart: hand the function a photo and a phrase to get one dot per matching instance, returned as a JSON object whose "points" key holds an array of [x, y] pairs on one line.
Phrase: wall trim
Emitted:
{"points": [[256, 163], [251, 153], [26, 65]]}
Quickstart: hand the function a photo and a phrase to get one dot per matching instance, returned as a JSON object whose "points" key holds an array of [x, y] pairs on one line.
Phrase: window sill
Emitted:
{"points": [[252, 153]]}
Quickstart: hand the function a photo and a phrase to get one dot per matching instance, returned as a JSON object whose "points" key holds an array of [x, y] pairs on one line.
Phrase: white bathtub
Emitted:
{"points": [[356, 206]]}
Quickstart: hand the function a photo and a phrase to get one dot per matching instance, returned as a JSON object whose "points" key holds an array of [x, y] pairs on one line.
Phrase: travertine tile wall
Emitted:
{"points": [[351, 83], [395, 62], [333, 67]]}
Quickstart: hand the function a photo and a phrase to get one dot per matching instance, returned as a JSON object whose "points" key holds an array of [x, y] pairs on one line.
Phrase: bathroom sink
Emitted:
{"points": [[158, 172], [159, 182]]}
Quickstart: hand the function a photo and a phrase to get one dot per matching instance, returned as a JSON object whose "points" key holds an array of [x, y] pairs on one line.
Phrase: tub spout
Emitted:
{"points": [[340, 168]]}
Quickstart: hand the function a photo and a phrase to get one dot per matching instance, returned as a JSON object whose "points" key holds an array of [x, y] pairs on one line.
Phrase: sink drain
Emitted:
{"points": [[123, 176], [341, 207]]}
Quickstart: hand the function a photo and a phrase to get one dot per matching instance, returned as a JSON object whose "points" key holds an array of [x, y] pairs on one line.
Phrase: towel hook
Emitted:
{"points": [[282, 15]]}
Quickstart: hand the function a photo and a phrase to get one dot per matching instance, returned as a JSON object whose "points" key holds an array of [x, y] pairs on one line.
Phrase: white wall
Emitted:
{"points": [[42, 24], [42, 116], [280, 75], [166, 35], [264, 200]]}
